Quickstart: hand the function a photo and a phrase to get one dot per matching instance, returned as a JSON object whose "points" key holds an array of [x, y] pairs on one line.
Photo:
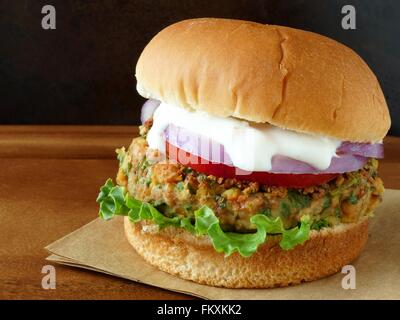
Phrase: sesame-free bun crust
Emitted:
{"points": [[290, 78], [178, 252]]}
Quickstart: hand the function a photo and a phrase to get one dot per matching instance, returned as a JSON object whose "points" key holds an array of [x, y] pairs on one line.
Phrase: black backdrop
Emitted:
{"points": [[82, 72]]}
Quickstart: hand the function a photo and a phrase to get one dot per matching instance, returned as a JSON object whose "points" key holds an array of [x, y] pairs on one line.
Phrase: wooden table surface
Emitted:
{"points": [[49, 180]]}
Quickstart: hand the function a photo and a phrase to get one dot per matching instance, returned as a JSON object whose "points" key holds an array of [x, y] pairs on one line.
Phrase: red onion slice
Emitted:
{"points": [[370, 150], [214, 152], [148, 109], [342, 164]]}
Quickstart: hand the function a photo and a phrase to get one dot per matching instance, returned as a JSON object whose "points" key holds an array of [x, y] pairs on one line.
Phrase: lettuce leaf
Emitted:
{"points": [[246, 244], [114, 200]]}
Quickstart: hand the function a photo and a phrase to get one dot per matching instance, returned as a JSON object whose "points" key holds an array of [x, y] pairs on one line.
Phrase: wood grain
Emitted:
{"points": [[49, 180], [66, 142]]}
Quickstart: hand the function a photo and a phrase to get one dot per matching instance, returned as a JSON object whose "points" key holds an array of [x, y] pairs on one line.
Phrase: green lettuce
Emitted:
{"points": [[115, 200]]}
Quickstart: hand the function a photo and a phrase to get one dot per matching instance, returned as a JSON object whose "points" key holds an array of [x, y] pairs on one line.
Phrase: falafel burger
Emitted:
{"points": [[256, 164]]}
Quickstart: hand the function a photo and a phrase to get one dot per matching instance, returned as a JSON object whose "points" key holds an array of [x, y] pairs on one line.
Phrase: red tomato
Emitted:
{"points": [[222, 170]]}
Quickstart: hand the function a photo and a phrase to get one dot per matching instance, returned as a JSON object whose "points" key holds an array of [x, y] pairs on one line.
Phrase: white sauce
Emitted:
{"points": [[250, 146]]}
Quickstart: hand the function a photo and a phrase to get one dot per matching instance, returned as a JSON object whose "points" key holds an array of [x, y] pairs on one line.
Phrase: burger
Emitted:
{"points": [[256, 164]]}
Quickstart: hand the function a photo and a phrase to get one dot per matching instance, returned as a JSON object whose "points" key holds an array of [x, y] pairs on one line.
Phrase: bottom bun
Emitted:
{"points": [[178, 252]]}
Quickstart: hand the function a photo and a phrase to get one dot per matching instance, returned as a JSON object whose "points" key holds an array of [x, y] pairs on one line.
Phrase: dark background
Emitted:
{"points": [[83, 72]]}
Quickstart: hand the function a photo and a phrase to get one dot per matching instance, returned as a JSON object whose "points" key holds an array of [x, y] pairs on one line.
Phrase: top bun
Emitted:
{"points": [[290, 78]]}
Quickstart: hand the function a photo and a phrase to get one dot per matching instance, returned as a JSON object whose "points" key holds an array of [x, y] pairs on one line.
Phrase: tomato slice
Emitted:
{"points": [[222, 170]]}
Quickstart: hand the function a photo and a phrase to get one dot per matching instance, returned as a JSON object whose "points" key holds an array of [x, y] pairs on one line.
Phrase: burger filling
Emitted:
{"points": [[176, 190], [237, 215]]}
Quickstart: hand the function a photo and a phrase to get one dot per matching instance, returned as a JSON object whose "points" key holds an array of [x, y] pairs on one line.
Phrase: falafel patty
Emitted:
{"points": [[177, 190]]}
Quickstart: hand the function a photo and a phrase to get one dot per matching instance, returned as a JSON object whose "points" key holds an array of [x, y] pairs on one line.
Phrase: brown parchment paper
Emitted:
{"points": [[101, 246]]}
